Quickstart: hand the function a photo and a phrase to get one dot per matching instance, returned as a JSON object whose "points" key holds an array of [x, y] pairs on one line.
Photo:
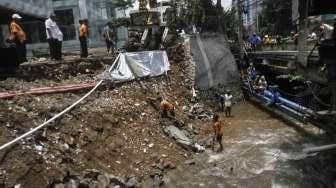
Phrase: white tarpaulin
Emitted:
{"points": [[131, 65]]}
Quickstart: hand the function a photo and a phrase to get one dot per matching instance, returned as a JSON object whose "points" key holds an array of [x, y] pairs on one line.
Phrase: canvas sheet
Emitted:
{"points": [[132, 65]]}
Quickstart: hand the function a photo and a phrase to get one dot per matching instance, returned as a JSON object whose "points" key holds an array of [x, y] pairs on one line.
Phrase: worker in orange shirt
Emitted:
{"points": [[18, 36], [218, 132], [166, 107], [83, 37]]}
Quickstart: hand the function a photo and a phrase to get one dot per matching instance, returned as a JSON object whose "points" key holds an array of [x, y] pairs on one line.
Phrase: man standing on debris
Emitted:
{"points": [[108, 36], [218, 132], [228, 103], [166, 107], [18, 36], [54, 37], [83, 36], [221, 99]]}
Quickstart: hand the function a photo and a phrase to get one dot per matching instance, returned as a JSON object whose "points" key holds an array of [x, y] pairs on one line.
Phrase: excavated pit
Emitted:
{"points": [[48, 75]]}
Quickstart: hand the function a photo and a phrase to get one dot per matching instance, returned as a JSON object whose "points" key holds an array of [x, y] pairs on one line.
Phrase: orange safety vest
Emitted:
{"points": [[16, 32], [166, 106]]}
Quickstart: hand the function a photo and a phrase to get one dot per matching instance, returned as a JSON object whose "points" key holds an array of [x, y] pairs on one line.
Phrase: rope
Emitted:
{"points": [[56, 116]]}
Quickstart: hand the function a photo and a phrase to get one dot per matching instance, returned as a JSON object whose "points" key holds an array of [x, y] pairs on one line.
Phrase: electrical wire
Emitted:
{"points": [[4, 146]]}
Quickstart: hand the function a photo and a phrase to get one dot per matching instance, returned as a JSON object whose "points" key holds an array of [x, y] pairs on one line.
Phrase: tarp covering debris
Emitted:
{"points": [[131, 65]]}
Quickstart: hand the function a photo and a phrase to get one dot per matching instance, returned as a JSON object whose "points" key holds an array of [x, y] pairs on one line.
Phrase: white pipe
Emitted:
{"points": [[320, 148], [56, 116]]}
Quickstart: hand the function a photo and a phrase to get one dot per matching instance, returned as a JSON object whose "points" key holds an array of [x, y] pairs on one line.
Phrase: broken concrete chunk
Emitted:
{"points": [[190, 162], [116, 180], [132, 182], [103, 181], [182, 139]]}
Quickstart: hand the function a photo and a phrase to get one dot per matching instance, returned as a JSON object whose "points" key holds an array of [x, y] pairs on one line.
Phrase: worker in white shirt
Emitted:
{"points": [[326, 32], [228, 103], [54, 37], [262, 84]]}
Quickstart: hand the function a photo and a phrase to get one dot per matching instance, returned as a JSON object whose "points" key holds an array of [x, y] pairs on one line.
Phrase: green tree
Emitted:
{"points": [[229, 23], [275, 17], [123, 4]]}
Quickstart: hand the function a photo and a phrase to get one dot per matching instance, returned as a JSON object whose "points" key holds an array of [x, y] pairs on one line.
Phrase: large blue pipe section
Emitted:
{"points": [[295, 108], [274, 97]]}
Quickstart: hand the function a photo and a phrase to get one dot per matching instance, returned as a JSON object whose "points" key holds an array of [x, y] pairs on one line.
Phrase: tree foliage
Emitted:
{"points": [[123, 4], [275, 18], [204, 14], [229, 23], [201, 13]]}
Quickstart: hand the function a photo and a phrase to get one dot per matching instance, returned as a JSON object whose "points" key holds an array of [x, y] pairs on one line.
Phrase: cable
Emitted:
{"points": [[56, 116]]}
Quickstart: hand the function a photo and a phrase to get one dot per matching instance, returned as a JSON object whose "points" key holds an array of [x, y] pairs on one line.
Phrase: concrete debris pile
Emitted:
{"points": [[94, 178], [211, 96], [34, 76], [199, 111], [134, 41], [176, 53]]}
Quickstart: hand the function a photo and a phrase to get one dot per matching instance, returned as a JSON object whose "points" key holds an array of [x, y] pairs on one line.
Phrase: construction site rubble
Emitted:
{"points": [[118, 130], [94, 178]]}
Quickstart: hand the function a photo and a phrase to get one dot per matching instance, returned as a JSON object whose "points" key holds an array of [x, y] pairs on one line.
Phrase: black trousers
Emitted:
{"points": [[55, 47], [58, 51], [109, 45], [21, 51], [84, 48]]}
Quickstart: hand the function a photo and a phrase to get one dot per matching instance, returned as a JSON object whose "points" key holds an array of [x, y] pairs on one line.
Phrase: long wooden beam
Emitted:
{"points": [[47, 90]]}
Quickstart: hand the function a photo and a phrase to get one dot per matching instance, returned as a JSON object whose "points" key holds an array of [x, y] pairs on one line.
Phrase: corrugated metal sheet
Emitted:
{"points": [[36, 8]]}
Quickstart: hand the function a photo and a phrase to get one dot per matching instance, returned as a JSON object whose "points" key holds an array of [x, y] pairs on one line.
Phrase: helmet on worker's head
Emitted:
{"points": [[16, 16]]}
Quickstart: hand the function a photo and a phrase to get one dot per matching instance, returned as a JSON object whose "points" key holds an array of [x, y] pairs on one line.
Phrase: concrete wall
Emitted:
{"points": [[85, 9], [215, 64], [81, 9]]}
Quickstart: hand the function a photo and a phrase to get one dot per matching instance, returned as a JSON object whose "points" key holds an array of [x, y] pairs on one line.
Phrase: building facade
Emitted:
{"points": [[250, 14], [32, 11], [68, 14]]}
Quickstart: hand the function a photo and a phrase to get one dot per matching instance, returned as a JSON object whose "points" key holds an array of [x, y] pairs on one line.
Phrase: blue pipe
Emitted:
{"points": [[291, 110], [285, 104]]}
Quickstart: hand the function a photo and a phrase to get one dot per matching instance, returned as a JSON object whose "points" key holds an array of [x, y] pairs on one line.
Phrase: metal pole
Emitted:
{"points": [[240, 28]]}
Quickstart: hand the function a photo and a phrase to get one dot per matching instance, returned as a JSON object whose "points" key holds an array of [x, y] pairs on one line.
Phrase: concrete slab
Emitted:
{"points": [[215, 64]]}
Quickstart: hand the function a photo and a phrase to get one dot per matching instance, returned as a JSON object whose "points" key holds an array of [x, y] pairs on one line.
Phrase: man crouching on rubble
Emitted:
{"points": [[218, 133], [166, 107]]}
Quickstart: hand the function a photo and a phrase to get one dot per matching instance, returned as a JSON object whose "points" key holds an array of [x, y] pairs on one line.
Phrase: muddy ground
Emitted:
{"points": [[115, 131]]}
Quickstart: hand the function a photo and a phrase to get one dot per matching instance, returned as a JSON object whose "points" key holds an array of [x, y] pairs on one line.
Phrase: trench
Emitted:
{"points": [[49, 75]]}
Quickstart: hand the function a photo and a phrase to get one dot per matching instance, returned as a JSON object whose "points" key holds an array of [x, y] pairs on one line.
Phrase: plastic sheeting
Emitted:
{"points": [[132, 65]]}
